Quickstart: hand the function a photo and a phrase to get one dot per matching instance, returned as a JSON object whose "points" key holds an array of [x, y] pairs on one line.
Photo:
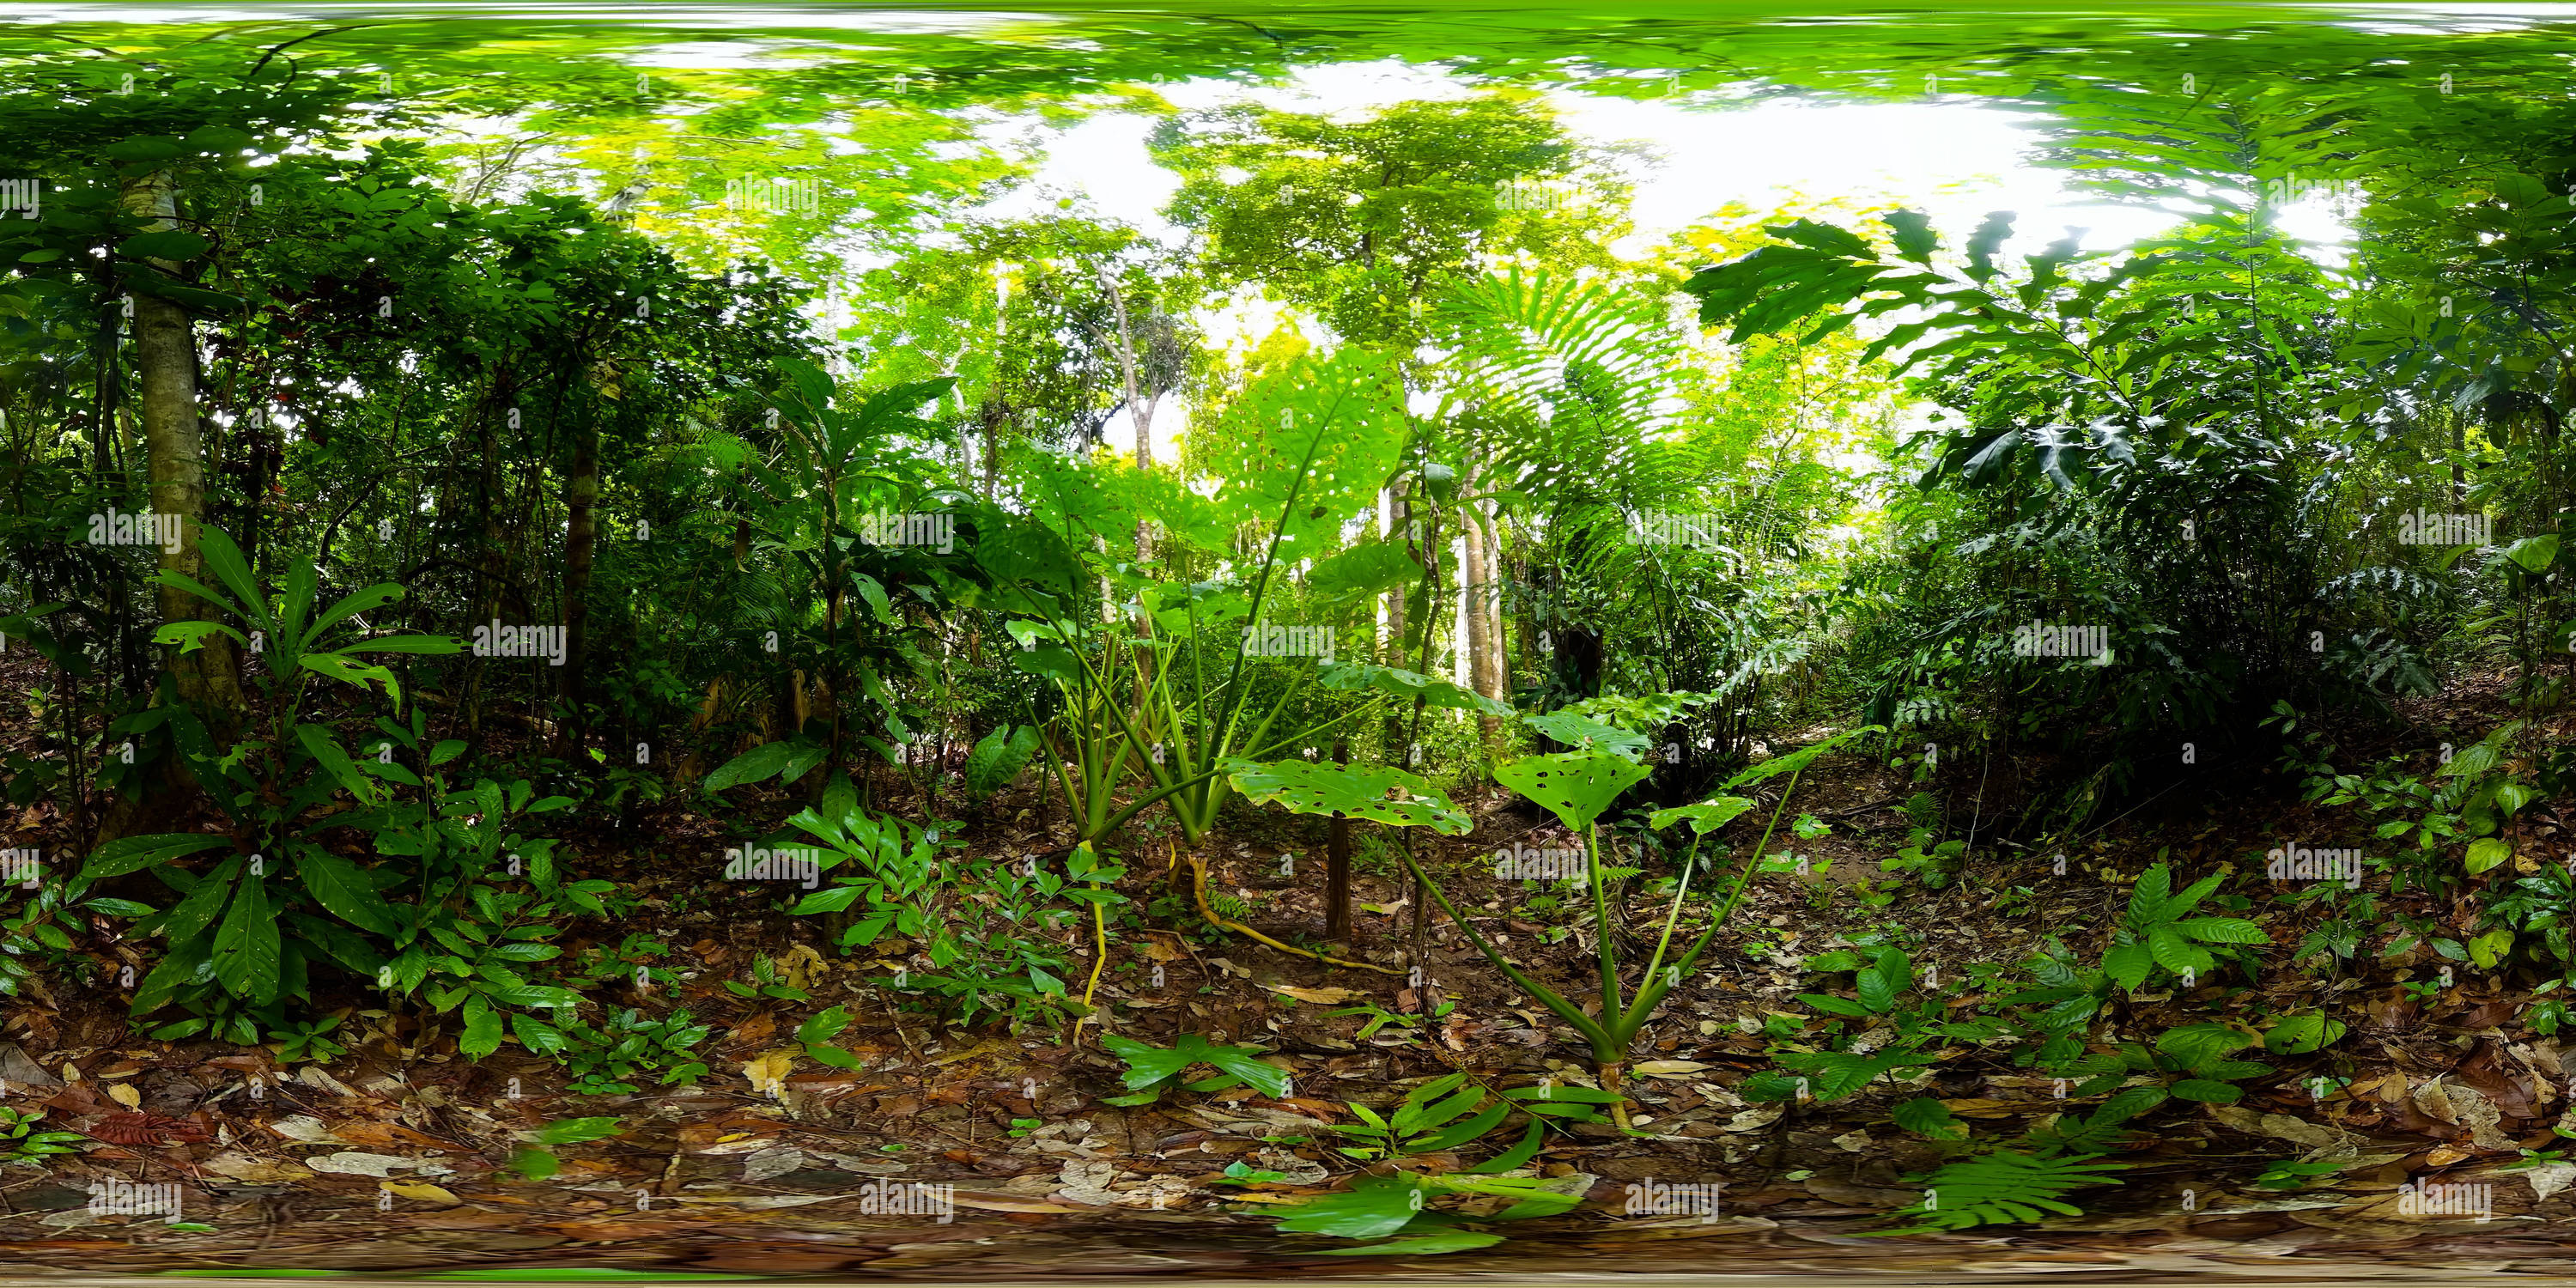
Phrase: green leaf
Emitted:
{"points": [[823, 1026], [2301, 1034], [1518, 1156], [2128, 965], [998, 757], [1926, 1116], [2534, 554], [135, 853], [1378, 793], [1148, 1064], [2487, 852], [1589, 735], [1373, 1208], [574, 1131], [768, 760], [338, 885], [2207, 1092], [1431, 690], [2198, 1046], [1372, 568], [535, 1164], [170, 244], [1883, 983], [2222, 930], [1576, 786], [247, 946], [1794, 761], [2177, 954], [1831, 1005], [1424, 1246], [1705, 817], [482, 1034]]}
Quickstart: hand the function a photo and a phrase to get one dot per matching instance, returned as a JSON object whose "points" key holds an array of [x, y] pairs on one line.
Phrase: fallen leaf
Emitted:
{"points": [[2548, 1179], [1325, 996], [426, 1193], [236, 1165], [1670, 1068], [768, 1072], [1755, 1119], [125, 1094], [351, 1163]]}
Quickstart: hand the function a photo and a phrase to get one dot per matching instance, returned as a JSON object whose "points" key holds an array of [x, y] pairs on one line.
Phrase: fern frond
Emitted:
{"points": [[2002, 1188]]}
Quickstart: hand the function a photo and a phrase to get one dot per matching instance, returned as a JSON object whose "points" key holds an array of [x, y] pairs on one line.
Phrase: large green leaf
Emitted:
{"points": [[1705, 817], [1363, 570], [1373, 1208], [2534, 554], [2198, 1046], [247, 945], [1576, 786], [135, 853], [997, 758], [1796, 760], [338, 885], [789, 759], [1432, 690], [1379, 793], [1589, 735]]}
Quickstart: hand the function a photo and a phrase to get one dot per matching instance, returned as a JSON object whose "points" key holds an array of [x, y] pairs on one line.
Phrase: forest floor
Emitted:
{"points": [[394, 1157]]}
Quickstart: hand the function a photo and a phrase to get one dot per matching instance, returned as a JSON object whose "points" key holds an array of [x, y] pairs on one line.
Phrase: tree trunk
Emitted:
{"points": [[1337, 864], [1479, 625], [1397, 506], [581, 541], [165, 356]]}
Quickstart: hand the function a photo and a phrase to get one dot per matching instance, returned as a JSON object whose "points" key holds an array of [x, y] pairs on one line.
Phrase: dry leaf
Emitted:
{"points": [[417, 1190], [242, 1167], [1326, 996], [1754, 1119], [2445, 1155], [2549, 1178], [124, 1094], [1670, 1068], [768, 1072]]}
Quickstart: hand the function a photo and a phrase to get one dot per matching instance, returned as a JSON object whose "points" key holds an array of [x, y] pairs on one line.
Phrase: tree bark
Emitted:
{"points": [[165, 357], [1472, 594], [1337, 864], [581, 539]]}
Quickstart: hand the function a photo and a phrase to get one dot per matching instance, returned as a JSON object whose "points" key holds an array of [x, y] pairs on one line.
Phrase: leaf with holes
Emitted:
{"points": [[1576, 786], [1378, 793]]}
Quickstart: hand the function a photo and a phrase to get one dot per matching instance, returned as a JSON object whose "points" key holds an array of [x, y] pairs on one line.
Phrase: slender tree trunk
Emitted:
{"points": [[1479, 624], [1337, 864], [581, 541], [165, 356]]}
